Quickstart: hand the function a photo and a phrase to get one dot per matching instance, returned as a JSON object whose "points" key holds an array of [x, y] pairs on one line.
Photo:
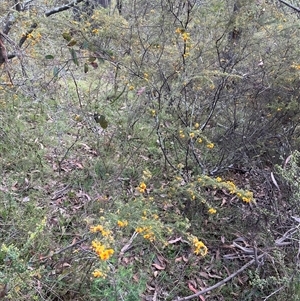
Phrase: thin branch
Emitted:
{"points": [[67, 151], [244, 267], [62, 8], [290, 6]]}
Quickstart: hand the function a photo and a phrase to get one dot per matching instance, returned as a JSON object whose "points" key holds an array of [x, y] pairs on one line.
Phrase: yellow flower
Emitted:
{"points": [[155, 216], [210, 145], [106, 254], [212, 210], [122, 224], [98, 274], [101, 251], [97, 228], [149, 236], [219, 179], [199, 140], [131, 88], [248, 197], [196, 126], [105, 233], [139, 230], [199, 246], [181, 134], [178, 30], [185, 36], [142, 187], [192, 135], [153, 113]]}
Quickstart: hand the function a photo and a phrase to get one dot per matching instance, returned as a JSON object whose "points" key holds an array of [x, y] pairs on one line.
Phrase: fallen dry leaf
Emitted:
{"points": [[173, 241], [158, 267], [195, 291]]}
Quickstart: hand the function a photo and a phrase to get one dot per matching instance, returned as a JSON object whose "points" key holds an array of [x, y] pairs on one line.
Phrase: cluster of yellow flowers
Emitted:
{"points": [[34, 38], [181, 134], [184, 35], [101, 250], [100, 228], [95, 31], [210, 145], [98, 274], [122, 224], [192, 135], [153, 113], [142, 187], [198, 246], [295, 66], [147, 232], [245, 196], [212, 211]]}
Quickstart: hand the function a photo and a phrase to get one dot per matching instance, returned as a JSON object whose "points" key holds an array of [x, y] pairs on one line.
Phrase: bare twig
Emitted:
{"points": [[290, 6], [275, 292], [62, 8], [67, 151], [244, 267]]}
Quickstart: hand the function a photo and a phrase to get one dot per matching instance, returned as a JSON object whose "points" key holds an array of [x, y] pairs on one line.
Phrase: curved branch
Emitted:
{"points": [[62, 8]]}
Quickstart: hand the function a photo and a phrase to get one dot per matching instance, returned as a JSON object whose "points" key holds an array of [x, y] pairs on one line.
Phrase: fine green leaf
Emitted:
{"points": [[74, 56]]}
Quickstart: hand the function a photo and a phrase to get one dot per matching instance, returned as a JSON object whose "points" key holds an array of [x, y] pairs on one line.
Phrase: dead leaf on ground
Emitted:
{"points": [[194, 290], [158, 267], [173, 241]]}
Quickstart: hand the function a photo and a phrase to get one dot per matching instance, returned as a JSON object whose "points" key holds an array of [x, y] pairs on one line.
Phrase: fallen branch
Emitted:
{"points": [[290, 6], [244, 267], [62, 8]]}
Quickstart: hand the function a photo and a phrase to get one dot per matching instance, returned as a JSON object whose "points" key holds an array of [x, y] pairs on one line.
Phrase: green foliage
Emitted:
{"points": [[126, 142]]}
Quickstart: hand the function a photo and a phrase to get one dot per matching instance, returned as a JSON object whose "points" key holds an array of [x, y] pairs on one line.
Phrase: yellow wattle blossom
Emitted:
{"points": [[153, 113], [219, 179], [131, 88], [142, 187], [199, 140], [155, 216], [98, 274], [210, 145], [196, 125], [181, 134], [100, 228], [198, 246], [101, 250], [106, 254], [147, 233], [212, 211], [192, 135], [185, 36], [149, 236], [97, 228], [122, 224], [247, 197]]}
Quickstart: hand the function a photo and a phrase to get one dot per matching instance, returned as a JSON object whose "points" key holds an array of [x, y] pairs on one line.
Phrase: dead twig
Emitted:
{"points": [[244, 267]]}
